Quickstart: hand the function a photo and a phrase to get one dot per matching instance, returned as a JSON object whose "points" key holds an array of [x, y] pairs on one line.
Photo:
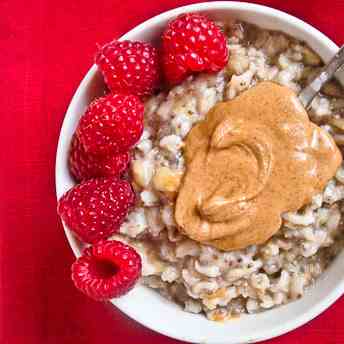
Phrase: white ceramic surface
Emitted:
{"points": [[145, 305]]}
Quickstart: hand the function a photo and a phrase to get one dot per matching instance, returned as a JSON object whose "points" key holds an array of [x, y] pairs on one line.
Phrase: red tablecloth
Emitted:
{"points": [[46, 48]]}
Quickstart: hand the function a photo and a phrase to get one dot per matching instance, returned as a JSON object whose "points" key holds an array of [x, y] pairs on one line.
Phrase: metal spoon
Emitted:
{"points": [[326, 73]]}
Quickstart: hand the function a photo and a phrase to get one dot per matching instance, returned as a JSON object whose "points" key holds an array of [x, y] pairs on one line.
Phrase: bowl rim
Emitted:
{"points": [[294, 323]]}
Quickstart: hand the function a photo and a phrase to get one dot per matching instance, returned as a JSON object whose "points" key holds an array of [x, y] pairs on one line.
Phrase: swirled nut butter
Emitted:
{"points": [[252, 159]]}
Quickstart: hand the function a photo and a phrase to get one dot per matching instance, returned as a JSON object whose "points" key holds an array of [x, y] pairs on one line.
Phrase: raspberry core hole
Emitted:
{"points": [[102, 268]]}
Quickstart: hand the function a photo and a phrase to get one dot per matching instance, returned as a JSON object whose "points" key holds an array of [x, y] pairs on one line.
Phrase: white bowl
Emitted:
{"points": [[147, 306]]}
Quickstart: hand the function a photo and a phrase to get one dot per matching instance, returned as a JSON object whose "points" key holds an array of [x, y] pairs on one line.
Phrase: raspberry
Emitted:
{"points": [[129, 67], [192, 43], [84, 166], [95, 209], [111, 124], [108, 269]]}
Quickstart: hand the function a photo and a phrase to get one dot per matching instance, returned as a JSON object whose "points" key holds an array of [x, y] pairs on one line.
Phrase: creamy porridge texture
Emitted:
{"points": [[203, 278]]}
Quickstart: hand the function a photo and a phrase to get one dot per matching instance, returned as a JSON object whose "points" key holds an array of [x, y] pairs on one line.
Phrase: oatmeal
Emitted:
{"points": [[201, 278]]}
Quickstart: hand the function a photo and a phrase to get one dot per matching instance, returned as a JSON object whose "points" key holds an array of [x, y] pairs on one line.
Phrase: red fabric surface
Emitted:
{"points": [[46, 48]]}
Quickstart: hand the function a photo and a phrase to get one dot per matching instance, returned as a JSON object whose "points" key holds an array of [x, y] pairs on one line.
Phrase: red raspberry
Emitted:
{"points": [[192, 43], [108, 269], [96, 208], [111, 124], [129, 67], [84, 166]]}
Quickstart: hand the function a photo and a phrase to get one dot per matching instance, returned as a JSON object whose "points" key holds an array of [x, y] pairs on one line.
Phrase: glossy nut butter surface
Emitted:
{"points": [[252, 159]]}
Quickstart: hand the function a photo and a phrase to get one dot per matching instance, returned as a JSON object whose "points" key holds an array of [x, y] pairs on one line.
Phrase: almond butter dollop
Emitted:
{"points": [[252, 159]]}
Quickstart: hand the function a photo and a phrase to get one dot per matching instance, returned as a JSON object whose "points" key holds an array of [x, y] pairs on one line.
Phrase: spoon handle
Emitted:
{"points": [[326, 73]]}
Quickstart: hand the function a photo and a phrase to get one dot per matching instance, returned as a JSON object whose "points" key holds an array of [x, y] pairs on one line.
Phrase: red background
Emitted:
{"points": [[46, 48]]}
